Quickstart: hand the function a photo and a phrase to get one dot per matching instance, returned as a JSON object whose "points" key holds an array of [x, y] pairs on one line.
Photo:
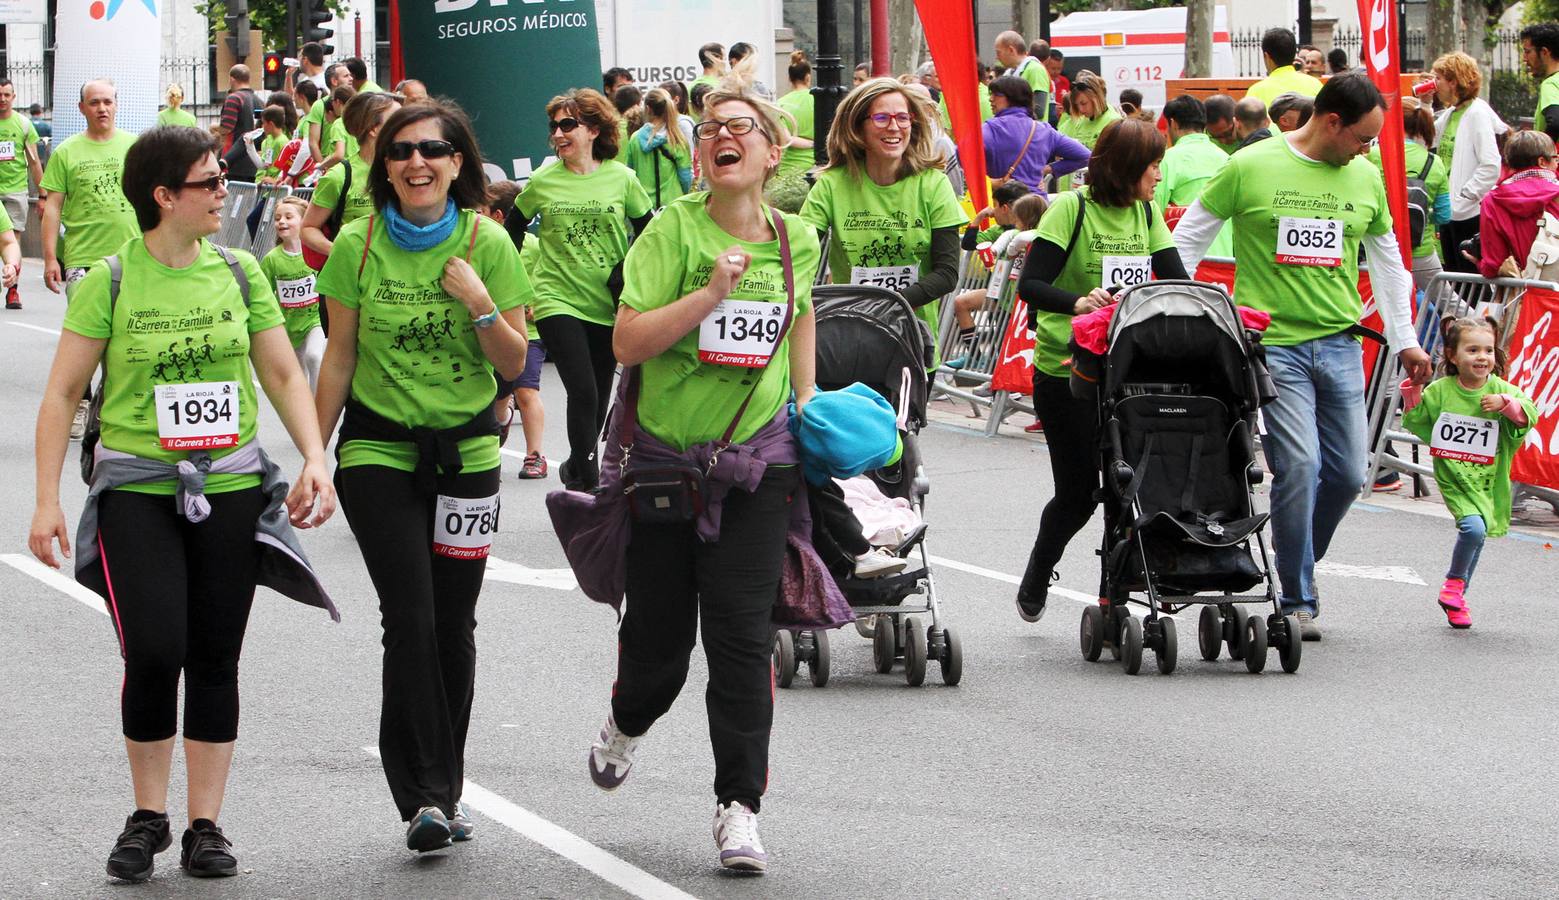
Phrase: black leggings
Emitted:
{"points": [[582, 352], [1071, 434], [179, 593], [427, 606], [673, 579]]}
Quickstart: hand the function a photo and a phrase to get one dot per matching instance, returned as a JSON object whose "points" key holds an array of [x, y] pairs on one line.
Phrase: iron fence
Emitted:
{"points": [[1502, 53]]}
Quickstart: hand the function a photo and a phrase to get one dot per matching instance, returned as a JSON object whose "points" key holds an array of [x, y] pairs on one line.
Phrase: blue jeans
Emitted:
{"points": [[1470, 532], [1315, 446]]}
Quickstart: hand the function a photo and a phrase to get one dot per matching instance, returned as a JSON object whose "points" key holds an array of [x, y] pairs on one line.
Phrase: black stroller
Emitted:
{"points": [[871, 335], [1178, 392]]}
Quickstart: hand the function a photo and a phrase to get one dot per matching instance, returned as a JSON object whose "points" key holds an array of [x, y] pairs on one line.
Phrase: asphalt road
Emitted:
{"points": [[1404, 759]]}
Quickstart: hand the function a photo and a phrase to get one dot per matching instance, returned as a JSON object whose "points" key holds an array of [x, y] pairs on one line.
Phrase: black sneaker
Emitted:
{"points": [[1031, 599], [146, 835], [206, 851]]}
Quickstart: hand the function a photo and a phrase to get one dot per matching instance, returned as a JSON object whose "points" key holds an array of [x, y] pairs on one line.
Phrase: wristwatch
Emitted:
{"points": [[487, 320]]}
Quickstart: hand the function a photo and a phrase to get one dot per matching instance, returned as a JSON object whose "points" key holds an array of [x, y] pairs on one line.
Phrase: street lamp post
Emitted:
{"points": [[829, 87]]}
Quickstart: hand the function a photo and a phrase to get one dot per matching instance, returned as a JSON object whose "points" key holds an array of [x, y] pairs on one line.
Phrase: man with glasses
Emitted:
{"points": [[84, 194], [1304, 203], [18, 159]]}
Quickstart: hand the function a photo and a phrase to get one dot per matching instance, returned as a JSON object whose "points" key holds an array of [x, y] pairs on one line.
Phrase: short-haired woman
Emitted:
{"points": [[889, 209], [1122, 240], [425, 304], [180, 329], [1465, 134], [1020, 147], [1513, 212], [587, 201]]}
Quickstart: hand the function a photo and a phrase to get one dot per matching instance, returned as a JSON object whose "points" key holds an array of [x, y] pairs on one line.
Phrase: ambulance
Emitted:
{"points": [[1136, 48]]}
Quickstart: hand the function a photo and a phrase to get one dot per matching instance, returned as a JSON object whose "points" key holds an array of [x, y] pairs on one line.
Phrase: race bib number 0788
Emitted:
{"points": [[463, 527]]}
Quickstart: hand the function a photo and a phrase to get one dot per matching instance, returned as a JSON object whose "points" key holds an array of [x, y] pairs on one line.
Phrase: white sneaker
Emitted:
{"points": [[78, 425], [611, 756], [876, 563], [736, 834]]}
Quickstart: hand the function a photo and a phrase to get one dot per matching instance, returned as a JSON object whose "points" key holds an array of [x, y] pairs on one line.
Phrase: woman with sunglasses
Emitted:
{"points": [[586, 199], [1089, 115], [345, 187], [890, 211], [180, 337], [704, 254], [425, 303]]}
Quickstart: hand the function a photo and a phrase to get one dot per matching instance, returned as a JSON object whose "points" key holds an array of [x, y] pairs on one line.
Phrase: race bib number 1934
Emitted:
{"points": [[197, 416]]}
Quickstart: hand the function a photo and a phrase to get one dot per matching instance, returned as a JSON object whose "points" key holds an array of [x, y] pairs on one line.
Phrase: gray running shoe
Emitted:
{"points": [[1308, 630], [78, 425], [461, 828], [428, 830]]}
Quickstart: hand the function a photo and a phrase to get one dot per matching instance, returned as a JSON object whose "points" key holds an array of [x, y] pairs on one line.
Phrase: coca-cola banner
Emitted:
{"points": [[1015, 370], [1534, 367]]}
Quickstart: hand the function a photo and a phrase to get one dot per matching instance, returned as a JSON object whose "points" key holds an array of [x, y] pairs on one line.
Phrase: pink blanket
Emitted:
{"points": [[1091, 330]]}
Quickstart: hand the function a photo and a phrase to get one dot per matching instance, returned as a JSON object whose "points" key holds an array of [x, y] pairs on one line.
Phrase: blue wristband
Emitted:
{"points": [[487, 320]]}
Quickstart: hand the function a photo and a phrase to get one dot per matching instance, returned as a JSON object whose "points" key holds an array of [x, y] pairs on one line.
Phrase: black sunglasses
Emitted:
{"points": [[565, 125], [210, 185], [400, 151]]}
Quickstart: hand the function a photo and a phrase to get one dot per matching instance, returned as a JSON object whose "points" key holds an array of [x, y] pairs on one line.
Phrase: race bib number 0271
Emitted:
{"points": [[197, 416], [1465, 438], [740, 333], [463, 527], [1309, 242]]}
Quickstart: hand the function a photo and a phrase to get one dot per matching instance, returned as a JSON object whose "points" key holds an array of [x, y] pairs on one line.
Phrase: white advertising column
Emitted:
{"points": [[118, 39]]}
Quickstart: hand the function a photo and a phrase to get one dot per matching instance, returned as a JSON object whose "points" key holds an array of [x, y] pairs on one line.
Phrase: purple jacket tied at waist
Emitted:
{"points": [[1008, 131]]}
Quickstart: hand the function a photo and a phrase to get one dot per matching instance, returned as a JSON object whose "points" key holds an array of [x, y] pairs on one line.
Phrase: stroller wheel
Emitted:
{"points": [[952, 658], [914, 652], [1289, 649], [784, 657], [1167, 647], [1209, 633], [818, 665], [1234, 631], [884, 645], [1129, 645], [1255, 644], [1091, 632], [866, 626]]}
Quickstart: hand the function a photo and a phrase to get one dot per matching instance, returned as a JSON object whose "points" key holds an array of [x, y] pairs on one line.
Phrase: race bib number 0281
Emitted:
{"points": [[894, 278], [740, 333], [463, 527], [197, 416], [1309, 242], [1125, 271], [1465, 438], [294, 293]]}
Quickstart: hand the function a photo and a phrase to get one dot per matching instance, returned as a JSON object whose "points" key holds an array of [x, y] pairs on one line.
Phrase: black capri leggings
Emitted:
{"points": [[1071, 434], [583, 354], [427, 606], [179, 594]]}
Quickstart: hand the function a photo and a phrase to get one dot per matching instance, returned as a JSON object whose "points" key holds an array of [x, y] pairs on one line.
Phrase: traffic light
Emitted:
{"points": [[237, 21], [273, 72], [315, 19]]}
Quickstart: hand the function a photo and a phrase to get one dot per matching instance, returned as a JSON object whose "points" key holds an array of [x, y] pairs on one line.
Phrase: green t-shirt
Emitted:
{"points": [[1547, 95], [1186, 169], [336, 133], [418, 360], [316, 116], [1268, 188], [799, 103], [684, 401], [1284, 80], [985, 108], [882, 235], [359, 200], [174, 326], [1123, 236], [177, 115], [1446, 146], [1085, 132], [1470, 488], [583, 235], [1437, 184], [292, 280], [270, 151], [1038, 77], [97, 216], [649, 165], [1229, 148], [16, 135], [369, 87]]}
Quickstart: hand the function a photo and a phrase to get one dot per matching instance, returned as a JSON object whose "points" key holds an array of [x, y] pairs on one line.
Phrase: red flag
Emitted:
{"points": [[1382, 55], [949, 26]]}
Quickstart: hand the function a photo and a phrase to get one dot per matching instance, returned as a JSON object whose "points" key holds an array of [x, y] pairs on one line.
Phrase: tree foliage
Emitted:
{"points": [[269, 16]]}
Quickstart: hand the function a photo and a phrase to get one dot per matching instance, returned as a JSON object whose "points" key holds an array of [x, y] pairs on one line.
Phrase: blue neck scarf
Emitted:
{"points": [[417, 238]]}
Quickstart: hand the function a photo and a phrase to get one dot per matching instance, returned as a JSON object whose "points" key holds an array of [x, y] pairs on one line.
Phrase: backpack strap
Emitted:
{"points": [[116, 275], [233, 265], [1428, 164], [363, 260], [1077, 226]]}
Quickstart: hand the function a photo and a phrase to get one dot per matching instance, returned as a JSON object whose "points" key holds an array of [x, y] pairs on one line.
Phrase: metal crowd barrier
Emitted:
{"points": [[247, 215], [967, 368]]}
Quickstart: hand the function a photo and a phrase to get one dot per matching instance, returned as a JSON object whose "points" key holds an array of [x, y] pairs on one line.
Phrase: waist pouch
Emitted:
{"points": [[660, 494]]}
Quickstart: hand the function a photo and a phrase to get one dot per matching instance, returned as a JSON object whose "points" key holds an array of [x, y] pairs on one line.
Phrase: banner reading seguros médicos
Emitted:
{"points": [[502, 60]]}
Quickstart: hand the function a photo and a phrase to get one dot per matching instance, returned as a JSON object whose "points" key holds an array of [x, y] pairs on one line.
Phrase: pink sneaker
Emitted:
{"points": [[1455, 604]]}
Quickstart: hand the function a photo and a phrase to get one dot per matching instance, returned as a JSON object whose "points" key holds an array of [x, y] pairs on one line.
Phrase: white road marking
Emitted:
{"points": [[1399, 574], [514, 573], [29, 566], [994, 575], [564, 843], [52, 331]]}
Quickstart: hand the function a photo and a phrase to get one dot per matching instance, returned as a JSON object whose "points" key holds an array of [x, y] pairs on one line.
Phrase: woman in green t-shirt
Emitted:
{"points": [[889, 209], [176, 114], [425, 304], [711, 259], [800, 104], [586, 201], [1088, 115], [1465, 132], [364, 115], [1120, 240], [180, 347], [659, 153]]}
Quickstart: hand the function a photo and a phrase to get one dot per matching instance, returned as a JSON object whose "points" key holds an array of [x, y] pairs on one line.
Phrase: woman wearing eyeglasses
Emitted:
{"points": [[707, 273], [174, 553], [425, 303], [586, 200], [345, 188], [889, 209]]}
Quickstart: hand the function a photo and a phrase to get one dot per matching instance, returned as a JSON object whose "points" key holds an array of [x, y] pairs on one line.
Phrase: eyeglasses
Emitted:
{"points": [[210, 185], [1363, 142], [709, 129], [881, 120], [400, 151], [565, 125]]}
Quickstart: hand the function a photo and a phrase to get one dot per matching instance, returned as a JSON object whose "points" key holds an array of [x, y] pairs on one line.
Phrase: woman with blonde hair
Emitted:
{"points": [[1465, 135], [176, 114], [659, 152], [1090, 114], [890, 210], [800, 104]]}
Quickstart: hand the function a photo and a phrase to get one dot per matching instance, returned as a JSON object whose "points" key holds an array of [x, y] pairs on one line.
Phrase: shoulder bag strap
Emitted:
{"points": [[1033, 129], [471, 247], [363, 261], [234, 266], [1077, 226]]}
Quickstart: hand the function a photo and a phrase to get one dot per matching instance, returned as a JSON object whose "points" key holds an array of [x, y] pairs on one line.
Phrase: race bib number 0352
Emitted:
{"points": [[894, 278], [294, 293], [1309, 242], [463, 527], [740, 333], [197, 416], [1465, 438]]}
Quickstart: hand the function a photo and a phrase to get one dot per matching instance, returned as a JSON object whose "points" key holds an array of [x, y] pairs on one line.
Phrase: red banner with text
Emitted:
{"points": [[1534, 367], [949, 26]]}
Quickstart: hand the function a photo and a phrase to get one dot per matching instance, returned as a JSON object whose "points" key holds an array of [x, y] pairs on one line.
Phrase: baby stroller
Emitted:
{"points": [[1178, 391], [871, 335]]}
